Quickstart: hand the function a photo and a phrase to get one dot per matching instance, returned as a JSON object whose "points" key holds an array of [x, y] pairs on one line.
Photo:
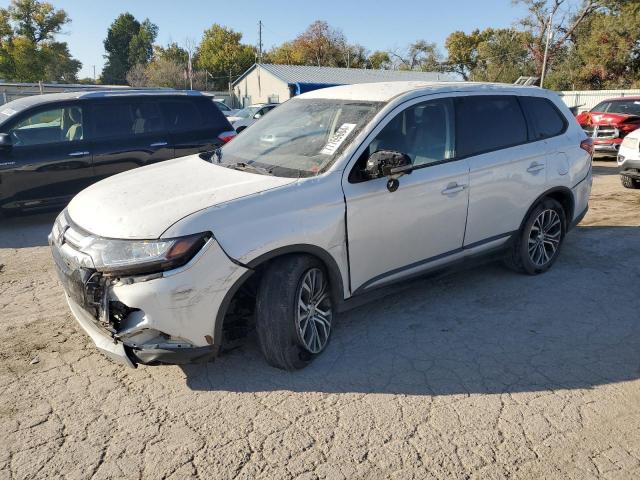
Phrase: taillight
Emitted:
{"points": [[587, 145], [227, 136]]}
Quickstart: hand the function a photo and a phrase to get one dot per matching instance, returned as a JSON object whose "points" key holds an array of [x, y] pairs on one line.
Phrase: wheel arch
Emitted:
{"points": [[563, 195], [258, 264]]}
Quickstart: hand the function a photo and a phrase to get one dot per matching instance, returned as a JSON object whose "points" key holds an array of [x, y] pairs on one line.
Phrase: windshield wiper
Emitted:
{"points": [[249, 168]]}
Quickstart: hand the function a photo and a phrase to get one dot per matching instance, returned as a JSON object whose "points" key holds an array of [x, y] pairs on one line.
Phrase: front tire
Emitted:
{"points": [[294, 311], [538, 243], [628, 182]]}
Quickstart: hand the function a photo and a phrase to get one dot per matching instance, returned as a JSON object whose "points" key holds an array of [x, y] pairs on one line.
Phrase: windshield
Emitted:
{"points": [[247, 112], [301, 138], [627, 107]]}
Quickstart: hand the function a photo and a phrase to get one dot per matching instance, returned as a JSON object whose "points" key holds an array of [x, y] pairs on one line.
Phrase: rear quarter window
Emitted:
{"points": [[544, 116], [486, 123]]}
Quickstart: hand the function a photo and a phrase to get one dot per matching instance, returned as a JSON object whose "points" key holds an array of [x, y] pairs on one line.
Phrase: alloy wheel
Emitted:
{"points": [[544, 237], [314, 311]]}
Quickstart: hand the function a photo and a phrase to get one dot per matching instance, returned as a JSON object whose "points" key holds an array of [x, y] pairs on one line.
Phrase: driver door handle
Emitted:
{"points": [[158, 144], [453, 188], [535, 167], [78, 154]]}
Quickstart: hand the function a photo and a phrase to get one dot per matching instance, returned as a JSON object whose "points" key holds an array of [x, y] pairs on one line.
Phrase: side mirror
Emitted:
{"points": [[388, 163], [5, 141]]}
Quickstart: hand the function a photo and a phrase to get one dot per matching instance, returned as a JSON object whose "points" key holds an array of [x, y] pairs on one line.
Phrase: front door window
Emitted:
{"points": [[62, 124]]}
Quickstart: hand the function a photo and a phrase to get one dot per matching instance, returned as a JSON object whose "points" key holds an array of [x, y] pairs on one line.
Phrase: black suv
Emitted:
{"points": [[52, 146]]}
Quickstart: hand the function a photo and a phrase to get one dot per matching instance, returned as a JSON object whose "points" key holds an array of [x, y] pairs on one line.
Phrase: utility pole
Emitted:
{"points": [[259, 41], [94, 74], [546, 49]]}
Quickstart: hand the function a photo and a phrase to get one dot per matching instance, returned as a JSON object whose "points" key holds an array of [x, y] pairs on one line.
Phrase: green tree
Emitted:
{"points": [[28, 50], [222, 54], [172, 52], [379, 60], [494, 55], [545, 15], [128, 43]]}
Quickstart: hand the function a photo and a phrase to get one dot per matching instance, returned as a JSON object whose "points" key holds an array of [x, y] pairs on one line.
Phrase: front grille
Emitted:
{"points": [[601, 131]]}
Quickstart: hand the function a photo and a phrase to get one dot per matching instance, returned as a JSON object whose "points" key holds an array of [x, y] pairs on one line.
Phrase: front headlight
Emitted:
{"points": [[143, 256]]}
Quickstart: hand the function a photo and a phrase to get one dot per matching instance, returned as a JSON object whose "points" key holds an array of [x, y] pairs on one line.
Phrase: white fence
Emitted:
{"points": [[587, 99]]}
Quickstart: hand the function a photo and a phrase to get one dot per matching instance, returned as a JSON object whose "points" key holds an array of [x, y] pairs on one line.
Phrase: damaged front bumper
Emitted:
{"points": [[166, 318]]}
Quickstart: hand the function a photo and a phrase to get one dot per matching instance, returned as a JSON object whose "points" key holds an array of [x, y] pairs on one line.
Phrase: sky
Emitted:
{"points": [[376, 24]]}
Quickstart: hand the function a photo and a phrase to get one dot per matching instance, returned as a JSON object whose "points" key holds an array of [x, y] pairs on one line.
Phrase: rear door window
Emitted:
{"points": [[545, 118], [486, 123], [212, 117], [123, 119], [182, 115]]}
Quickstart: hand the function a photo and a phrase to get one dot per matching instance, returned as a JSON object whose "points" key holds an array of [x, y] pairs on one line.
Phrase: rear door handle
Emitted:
{"points": [[535, 167], [159, 144], [78, 154], [453, 188]]}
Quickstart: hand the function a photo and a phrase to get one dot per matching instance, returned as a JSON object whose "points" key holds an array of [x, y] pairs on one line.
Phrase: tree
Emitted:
{"points": [[321, 45], [128, 43], [545, 14], [495, 55], [222, 53], [28, 50], [420, 55], [603, 51], [172, 52], [379, 60]]}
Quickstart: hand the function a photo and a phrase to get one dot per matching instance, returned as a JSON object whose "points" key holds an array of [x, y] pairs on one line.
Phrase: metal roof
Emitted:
{"points": [[292, 74]]}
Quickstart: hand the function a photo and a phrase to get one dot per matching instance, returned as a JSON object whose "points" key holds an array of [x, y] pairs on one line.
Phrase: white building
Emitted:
{"points": [[269, 83]]}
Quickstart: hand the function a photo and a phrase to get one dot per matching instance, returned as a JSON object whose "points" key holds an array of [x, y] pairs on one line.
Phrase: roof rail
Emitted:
{"points": [[138, 92]]}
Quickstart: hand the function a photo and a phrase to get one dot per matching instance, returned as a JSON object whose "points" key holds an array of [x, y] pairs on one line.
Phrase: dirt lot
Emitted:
{"points": [[484, 374]]}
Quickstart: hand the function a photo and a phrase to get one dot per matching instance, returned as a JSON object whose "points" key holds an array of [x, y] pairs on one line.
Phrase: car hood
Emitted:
{"points": [[232, 118], [144, 202], [601, 118]]}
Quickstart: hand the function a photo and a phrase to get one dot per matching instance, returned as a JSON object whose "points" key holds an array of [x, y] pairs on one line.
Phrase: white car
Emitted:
{"points": [[345, 190], [629, 160], [224, 108], [250, 115]]}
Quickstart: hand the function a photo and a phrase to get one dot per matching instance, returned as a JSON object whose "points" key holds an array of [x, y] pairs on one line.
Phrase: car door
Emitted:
{"points": [[49, 159], [127, 133], [395, 234], [507, 171], [194, 124]]}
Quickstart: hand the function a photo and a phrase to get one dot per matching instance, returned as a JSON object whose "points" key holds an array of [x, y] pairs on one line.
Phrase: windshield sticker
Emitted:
{"points": [[8, 112], [337, 138]]}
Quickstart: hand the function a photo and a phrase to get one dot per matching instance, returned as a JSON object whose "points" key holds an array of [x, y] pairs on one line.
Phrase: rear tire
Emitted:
{"points": [[628, 182], [294, 311], [537, 244]]}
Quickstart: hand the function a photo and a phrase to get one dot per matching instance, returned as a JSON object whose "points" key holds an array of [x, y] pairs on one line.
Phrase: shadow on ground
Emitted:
{"points": [[28, 230], [485, 330]]}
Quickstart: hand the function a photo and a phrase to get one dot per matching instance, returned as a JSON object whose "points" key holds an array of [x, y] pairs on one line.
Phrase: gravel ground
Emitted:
{"points": [[483, 374]]}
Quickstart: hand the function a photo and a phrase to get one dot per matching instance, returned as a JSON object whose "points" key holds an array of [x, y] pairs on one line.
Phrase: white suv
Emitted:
{"points": [[343, 191]]}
